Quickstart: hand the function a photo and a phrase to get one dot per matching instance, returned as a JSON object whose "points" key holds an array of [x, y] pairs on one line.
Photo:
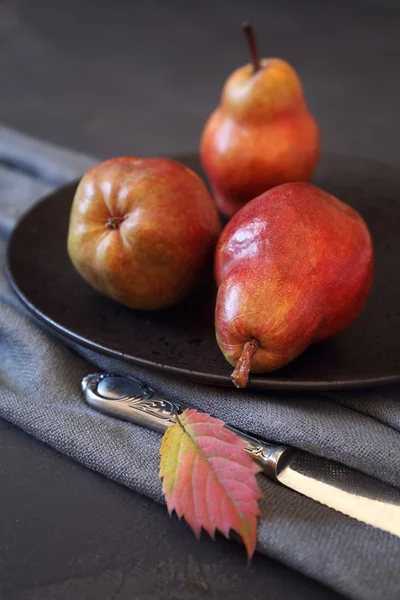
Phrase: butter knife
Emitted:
{"points": [[332, 484]]}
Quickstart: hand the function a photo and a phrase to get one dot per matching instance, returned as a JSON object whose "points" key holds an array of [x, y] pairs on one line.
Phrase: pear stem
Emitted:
{"points": [[251, 41], [240, 375]]}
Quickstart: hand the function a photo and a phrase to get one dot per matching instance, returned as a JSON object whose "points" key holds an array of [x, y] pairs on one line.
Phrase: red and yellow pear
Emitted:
{"points": [[261, 135], [294, 267], [142, 230]]}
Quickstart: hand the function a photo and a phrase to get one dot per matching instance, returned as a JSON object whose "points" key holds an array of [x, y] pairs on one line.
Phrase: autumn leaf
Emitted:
{"points": [[208, 479]]}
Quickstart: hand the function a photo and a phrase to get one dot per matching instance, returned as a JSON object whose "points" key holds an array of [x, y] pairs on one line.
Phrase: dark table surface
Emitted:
{"points": [[140, 78]]}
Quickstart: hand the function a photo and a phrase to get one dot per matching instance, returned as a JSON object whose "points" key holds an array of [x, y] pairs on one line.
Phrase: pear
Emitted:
{"points": [[261, 135], [294, 267], [142, 231]]}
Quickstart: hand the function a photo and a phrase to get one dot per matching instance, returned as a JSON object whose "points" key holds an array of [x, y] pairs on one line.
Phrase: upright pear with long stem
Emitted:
{"points": [[261, 135]]}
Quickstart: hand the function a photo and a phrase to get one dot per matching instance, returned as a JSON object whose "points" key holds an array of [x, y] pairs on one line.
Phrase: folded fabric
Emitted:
{"points": [[360, 429]]}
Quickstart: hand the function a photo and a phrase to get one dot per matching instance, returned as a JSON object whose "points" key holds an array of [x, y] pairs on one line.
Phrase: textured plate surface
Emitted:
{"points": [[181, 340]]}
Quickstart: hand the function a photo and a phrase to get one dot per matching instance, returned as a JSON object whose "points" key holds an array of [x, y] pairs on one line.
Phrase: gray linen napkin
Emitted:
{"points": [[40, 392]]}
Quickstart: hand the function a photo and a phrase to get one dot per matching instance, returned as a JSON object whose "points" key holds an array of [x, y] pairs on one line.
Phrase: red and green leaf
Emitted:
{"points": [[208, 479]]}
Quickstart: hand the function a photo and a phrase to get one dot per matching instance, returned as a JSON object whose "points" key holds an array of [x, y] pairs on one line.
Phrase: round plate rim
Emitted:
{"points": [[259, 382]]}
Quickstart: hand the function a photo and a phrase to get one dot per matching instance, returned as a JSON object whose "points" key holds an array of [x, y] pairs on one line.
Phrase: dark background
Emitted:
{"points": [[123, 77], [113, 77]]}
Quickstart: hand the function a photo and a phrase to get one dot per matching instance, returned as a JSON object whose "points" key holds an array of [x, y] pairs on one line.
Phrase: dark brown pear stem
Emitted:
{"points": [[240, 375], [251, 41]]}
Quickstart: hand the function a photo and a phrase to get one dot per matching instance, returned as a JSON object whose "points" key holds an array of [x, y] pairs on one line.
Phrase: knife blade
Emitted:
{"points": [[339, 487]]}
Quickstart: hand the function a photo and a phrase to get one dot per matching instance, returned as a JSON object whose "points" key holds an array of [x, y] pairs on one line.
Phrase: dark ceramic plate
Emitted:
{"points": [[181, 340]]}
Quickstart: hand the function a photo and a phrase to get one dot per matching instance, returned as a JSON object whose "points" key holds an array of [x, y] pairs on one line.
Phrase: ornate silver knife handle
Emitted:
{"points": [[129, 399]]}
